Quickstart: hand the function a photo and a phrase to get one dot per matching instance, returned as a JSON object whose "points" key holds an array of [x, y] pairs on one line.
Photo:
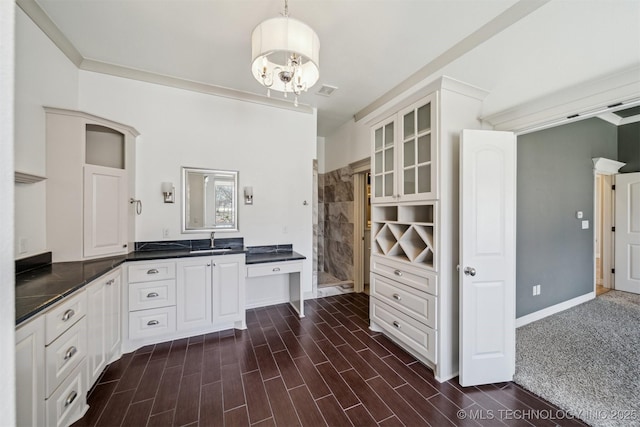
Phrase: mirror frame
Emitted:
{"points": [[185, 171]]}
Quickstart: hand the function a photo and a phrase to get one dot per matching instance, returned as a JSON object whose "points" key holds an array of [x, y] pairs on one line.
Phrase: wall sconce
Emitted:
{"points": [[168, 191], [248, 195]]}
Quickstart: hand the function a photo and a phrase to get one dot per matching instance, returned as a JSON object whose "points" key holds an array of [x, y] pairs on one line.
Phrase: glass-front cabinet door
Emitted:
{"points": [[417, 171], [384, 161]]}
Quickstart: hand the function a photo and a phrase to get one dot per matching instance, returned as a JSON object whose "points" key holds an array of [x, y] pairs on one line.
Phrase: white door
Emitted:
{"points": [[193, 297], [627, 235], [487, 256]]}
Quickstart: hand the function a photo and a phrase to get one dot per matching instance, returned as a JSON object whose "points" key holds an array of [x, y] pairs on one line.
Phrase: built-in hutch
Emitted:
{"points": [[90, 180], [414, 220]]}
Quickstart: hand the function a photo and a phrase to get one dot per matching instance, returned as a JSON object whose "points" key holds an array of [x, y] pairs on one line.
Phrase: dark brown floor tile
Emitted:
{"points": [[246, 357], [308, 344], [392, 422], [211, 366], [150, 381], [227, 333], [196, 339], [211, 341], [228, 353], [161, 420], [449, 409], [360, 417], [167, 394], [232, 389], [236, 417], [145, 349], [383, 369], [334, 355], [263, 317], [332, 412], [211, 405], [376, 406], [97, 402], [338, 387], [267, 365], [358, 363], [193, 359], [294, 325], [288, 370], [273, 339], [257, 401], [281, 405], [479, 416], [331, 335], [116, 409], [188, 404], [242, 335], [401, 408], [257, 337], [346, 322], [305, 407], [511, 402], [115, 370], [292, 344], [161, 351], [371, 343], [328, 318], [251, 318], [409, 375], [177, 353], [394, 349], [131, 377], [354, 342], [312, 377], [424, 407], [138, 413], [265, 423]]}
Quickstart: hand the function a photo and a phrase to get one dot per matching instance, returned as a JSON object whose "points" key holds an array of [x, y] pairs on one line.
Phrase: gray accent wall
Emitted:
{"points": [[629, 147], [555, 180]]}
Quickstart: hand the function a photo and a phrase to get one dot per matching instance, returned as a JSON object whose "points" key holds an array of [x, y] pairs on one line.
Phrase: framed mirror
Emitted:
{"points": [[209, 200]]}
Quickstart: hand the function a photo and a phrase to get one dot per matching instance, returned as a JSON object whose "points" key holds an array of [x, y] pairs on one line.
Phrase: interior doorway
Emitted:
{"points": [[361, 225], [603, 250]]}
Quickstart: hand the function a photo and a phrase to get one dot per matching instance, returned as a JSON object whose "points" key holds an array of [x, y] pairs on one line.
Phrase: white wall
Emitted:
{"points": [[273, 150], [7, 282], [44, 76], [348, 144]]}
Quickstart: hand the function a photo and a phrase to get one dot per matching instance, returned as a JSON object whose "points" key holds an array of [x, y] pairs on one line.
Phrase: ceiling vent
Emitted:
{"points": [[326, 90]]}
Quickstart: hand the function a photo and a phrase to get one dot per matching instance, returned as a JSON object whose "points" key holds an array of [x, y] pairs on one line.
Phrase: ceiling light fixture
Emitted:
{"points": [[285, 55]]}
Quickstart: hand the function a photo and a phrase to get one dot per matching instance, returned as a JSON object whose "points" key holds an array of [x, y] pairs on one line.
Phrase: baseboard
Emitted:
{"points": [[541, 314], [266, 303]]}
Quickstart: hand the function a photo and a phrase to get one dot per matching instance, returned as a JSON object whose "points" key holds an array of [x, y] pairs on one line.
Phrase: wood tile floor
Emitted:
{"points": [[324, 369]]}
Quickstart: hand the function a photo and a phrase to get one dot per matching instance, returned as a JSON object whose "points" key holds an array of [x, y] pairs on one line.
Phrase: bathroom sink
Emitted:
{"points": [[211, 251]]}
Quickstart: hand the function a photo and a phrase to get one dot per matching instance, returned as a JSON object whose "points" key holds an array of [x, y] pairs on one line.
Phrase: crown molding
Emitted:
{"points": [[498, 24], [48, 27]]}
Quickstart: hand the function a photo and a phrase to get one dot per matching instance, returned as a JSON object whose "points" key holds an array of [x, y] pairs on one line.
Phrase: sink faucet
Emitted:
{"points": [[213, 241]]}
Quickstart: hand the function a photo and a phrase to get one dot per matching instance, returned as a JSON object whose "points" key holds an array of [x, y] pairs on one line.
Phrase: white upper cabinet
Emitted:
{"points": [[90, 171], [404, 154]]}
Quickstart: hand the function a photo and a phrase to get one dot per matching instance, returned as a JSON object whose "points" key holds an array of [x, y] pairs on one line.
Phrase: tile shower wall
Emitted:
{"points": [[336, 223]]}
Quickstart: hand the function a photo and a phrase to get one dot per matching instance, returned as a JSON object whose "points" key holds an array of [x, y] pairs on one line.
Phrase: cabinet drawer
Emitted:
{"points": [[67, 404], [418, 278], [64, 354], [151, 323], [64, 315], [417, 304], [156, 294], [149, 272], [414, 334], [269, 269]]}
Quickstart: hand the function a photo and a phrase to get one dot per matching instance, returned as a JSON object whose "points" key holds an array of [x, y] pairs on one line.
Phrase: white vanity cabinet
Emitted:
{"points": [[229, 289], [104, 322], [414, 230], [30, 404], [90, 217], [195, 289]]}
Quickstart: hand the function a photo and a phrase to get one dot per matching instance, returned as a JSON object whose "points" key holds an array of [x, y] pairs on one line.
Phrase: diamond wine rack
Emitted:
{"points": [[405, 232]]}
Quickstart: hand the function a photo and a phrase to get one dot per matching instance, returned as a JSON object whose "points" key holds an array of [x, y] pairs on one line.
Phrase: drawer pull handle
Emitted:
{"points": [[276, 269], [152, 323], [396, 324], [110, 282], [152, 295], [397, 272], [397, 297], [70, 353], [153, 271], [68, 315], [72, 396]]}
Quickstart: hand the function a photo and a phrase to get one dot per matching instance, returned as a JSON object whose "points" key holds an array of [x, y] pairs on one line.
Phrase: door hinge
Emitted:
{"points": [[613, 229], [613, 187], [613, 271]]}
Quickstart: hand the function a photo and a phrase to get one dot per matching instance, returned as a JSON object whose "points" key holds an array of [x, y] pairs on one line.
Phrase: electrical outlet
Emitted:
{"points": [[536, 290], [585, 224], [165, 232]]}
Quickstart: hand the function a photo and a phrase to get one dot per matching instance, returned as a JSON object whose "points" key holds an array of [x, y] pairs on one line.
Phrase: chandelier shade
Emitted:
{"points": [[285, 55]]}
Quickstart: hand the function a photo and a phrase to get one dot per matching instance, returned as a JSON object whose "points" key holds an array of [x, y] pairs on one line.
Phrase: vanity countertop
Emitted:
{"points": [[42, 287]]}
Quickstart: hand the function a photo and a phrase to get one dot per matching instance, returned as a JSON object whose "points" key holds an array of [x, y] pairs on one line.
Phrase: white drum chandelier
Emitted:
{"points": [[285, 55]]}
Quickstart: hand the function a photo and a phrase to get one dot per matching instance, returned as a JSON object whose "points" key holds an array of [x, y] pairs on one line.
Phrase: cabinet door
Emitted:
{"points": [[113, 319], [105, 211], [417, 145], [30, 378], [193, 297], [383, 158], [96, 346], [228, 290]]}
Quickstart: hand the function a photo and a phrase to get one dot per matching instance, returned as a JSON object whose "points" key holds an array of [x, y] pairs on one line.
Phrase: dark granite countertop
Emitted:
{"points": [[42, 287]]}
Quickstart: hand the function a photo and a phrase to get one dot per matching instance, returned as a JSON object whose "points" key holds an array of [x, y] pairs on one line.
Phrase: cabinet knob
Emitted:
{"points": [[397, 273], [153, 271], [152, 295], [68, 315], [70, 352], [396, 324], [70, 398], [124, 246], [110, 282], [276, 269], [152, 323], [397, 297]]}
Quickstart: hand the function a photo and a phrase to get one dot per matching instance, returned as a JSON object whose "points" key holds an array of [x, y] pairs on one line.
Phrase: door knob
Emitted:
{"points": [[469, 271]]}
